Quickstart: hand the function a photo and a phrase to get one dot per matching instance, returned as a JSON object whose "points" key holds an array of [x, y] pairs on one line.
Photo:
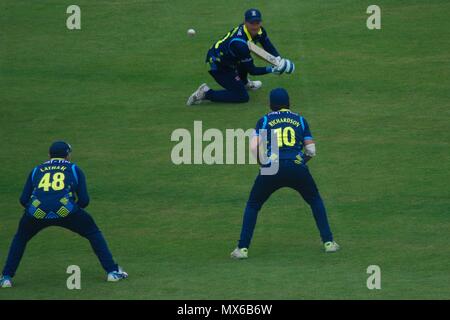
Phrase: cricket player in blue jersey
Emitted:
{"points": [[55, 194], [296, 147], [230, 63]]}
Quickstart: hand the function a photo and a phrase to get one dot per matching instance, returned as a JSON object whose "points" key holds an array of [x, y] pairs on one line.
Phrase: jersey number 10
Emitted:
{"points": [[56, 184], [285, 136]]}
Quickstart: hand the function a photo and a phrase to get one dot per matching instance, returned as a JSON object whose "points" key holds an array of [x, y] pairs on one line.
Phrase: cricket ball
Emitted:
{"points": [[191, 32]]}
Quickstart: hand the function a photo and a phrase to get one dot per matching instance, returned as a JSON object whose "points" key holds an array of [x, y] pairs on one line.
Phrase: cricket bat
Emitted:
{"points": [[263, 54]]}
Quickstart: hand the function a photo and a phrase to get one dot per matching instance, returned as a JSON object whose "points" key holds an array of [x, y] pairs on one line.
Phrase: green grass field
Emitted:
{"points": [[377, 102]]}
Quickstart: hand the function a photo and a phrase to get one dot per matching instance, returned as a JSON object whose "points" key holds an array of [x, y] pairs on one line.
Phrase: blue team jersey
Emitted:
{"points": [[291, 131], [53, 186], [232, 49]]}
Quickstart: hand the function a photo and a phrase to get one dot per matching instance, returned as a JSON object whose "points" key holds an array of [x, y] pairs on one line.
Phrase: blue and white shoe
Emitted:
{"points": [[117, 275], [199, 95], [253, 85], [5, 282], [331, 247], [239, 253]]}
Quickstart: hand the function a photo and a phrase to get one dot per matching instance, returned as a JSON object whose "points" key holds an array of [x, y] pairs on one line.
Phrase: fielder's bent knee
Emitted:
{"points": [[244, 97], [240, 96]]}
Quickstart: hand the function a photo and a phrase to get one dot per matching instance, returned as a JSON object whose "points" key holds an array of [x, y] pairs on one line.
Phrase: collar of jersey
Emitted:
{"points": [[284, 109], [57, 159], [249, 36]]}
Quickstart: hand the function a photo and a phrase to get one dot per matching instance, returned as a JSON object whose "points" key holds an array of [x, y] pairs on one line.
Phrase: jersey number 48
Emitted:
{"points": [[56, 184]]}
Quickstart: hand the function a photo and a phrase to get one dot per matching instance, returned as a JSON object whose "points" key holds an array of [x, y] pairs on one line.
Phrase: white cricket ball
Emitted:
{"points": [[191, 32]]}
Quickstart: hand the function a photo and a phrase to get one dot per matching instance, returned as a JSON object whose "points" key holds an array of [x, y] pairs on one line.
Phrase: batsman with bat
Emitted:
{"points": [[230, 62]]}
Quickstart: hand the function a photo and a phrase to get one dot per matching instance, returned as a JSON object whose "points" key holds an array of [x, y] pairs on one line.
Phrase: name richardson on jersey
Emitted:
{"points": [[276, 121]]}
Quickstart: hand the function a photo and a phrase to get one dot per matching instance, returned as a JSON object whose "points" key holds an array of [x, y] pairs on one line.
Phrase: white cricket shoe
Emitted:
{"points": [[117, 275], [239, 253], [253, 85], [331, 246], [5, 282], [198, 95]]}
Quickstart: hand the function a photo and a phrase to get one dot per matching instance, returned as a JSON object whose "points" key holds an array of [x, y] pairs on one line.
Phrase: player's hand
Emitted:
{"points": [[290, 66], [284, 66], [280, 68], [278, 59]]}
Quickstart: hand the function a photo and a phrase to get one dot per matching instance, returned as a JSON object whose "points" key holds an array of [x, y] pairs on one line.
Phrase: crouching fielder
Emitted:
{"points": [[230, 63], [292, 135], [54, 195]]}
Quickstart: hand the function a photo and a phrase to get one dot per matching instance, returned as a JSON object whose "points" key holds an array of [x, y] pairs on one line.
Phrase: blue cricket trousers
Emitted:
{"points": [[79, 222], [292, 175], [233, 81]]}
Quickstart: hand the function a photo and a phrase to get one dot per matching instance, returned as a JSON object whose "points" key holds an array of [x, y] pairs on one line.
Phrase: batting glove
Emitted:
{"points": [[284, 66]]}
